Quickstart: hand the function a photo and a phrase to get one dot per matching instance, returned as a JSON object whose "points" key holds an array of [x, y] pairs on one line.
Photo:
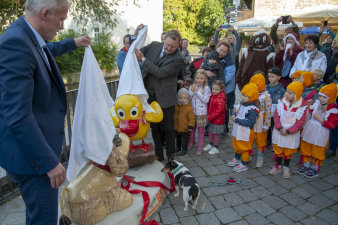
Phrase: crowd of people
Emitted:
{"points": [[284, 96]]}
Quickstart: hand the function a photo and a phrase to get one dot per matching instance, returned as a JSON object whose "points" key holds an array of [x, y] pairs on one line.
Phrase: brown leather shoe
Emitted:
{"points": [[159, 158]]}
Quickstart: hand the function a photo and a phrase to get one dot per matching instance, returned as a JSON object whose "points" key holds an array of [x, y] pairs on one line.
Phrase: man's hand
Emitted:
{"points": [[230, 28], [82, 41], [210, 74], [278, 21], [290, 20], [139, 54], [321, 29], [57, 176], [139, 27]]}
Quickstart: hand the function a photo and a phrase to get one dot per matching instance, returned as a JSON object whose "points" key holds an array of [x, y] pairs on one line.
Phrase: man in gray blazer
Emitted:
{"points": [[162, 62]]}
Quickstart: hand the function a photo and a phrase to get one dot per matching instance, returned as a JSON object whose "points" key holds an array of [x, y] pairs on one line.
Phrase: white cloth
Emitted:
{"points": [[93, 128], [240, 132], [131, 81], [319, 62]]}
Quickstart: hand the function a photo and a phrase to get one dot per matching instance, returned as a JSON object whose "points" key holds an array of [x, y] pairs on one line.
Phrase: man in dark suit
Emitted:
{"points": [[162, 62], [33, 106]]}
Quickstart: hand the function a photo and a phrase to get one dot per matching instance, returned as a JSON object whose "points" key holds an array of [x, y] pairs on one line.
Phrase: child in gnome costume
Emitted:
{"points": [[289, 118], [263, 123], [315, 136], [310, 94], [244, 119], [296, 76], [184, 121]]}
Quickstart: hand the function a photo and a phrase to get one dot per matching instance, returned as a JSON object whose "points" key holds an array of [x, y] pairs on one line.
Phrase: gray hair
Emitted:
{"points": [[32, 7]]}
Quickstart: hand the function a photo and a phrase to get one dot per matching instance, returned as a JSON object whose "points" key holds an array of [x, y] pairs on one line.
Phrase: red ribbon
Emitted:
{"points": [[145, 195]]}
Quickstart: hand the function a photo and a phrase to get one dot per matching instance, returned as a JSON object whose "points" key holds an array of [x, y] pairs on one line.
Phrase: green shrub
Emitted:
{"points": [[104, 50]]}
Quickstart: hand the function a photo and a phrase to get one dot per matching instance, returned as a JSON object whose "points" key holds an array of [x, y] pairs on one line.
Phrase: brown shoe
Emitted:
{"points": [[159, 158]]}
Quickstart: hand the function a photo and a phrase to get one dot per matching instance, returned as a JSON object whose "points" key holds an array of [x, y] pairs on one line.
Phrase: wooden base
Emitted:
{"points": [[140, 158]]}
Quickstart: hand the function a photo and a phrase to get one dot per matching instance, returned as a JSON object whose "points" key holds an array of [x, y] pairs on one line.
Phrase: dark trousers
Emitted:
{"points": [[333, 139], [167, 125], [230, 106], [40, 198], [182, 140]]}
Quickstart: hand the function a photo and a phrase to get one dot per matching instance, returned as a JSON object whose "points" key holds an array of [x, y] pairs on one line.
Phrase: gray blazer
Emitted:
{"points": [[160, 74]]}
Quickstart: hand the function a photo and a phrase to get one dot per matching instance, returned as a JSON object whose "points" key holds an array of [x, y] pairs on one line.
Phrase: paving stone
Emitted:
{"points": [[227, 215], [217, 161], [309, 208], [253, 173], [197, 172], [190, 164], [307, 187], [224, 169], [256, 219], [330, 216], [260, 191], [262, 208], [233, 199], [335, 207], [168, 216], [14, 205], [265, 181], [331, 194], [321, 185], [293, 213], [204, 205], [190, 220], [274, 201], [292, 198], [247, 195], [203, 162], [321, 201], [208, 219], [230, 188], [279, 218], [286, 183], [15, 218], [213, 191], [244, 210], [298, 179], [2, 217], [179, 209], [218, 202], [301, 192], [313, 220], [277, 189], [211, 170], [332, 179], [242, 222], [202, 181]]}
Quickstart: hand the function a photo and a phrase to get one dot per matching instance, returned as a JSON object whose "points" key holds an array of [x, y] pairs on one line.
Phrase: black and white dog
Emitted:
{"points": [[183, 179]]}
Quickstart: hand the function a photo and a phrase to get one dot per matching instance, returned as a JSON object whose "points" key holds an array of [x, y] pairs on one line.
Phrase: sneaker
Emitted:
{"points": [[207, 147], [275, 171], [233, 162], [302, 169], [311, 173], [240, 167], [213, 151], [259, 162], [199, 152], [182, 153], [286, 172]]}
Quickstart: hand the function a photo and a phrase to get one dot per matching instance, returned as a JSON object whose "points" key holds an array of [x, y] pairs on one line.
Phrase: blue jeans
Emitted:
{"points": [[333, 139], [230, 106]]}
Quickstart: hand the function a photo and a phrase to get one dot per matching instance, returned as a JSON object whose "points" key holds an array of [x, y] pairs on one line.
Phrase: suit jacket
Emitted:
{"points": [[32, 103], [160, 74]]}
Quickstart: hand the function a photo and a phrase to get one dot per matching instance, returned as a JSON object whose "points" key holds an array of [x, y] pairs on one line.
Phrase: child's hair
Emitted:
{"points": [[214, 55], [203, 73], [275, 70], [318, 72], [219, 83], [258, 71], [188, 81]]}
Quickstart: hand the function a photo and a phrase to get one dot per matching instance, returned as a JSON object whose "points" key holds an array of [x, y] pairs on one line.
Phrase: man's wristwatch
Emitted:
{"points": [[143, 59]]}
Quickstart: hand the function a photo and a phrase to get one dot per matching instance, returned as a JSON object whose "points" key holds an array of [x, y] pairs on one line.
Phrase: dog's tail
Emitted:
{"points": [[194, 191]]}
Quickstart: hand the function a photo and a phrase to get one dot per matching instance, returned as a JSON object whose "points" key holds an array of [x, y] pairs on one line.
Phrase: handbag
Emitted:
{"points": [[286, 67]]}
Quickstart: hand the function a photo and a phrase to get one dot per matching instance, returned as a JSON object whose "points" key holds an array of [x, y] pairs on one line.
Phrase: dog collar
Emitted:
{"points": [[177, 169]]}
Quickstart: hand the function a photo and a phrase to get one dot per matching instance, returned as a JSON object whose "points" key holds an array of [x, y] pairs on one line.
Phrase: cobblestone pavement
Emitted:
{"points": [[265, 199]]}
